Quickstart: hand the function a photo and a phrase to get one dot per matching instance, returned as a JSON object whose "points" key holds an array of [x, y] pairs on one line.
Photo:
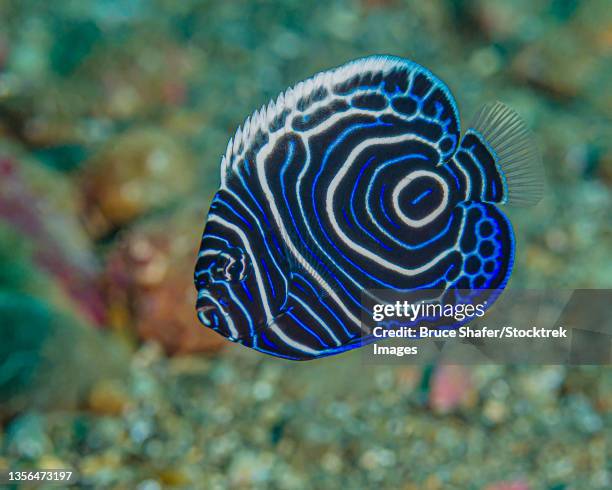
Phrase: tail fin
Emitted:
{"points": [[515, 152], [499, 151]]}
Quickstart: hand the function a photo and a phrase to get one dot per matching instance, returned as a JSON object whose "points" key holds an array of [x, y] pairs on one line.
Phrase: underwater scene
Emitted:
{"points": [[115, 118]]}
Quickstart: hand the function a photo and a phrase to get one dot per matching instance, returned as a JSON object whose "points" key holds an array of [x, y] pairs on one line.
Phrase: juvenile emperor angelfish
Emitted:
{"points": [[357, 179]]}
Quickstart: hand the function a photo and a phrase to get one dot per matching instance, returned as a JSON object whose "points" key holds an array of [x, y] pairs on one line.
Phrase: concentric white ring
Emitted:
{"points": [[406, 181]]}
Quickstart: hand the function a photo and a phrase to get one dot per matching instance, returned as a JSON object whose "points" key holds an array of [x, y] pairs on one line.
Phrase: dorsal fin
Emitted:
{"points": [[392, 76]]}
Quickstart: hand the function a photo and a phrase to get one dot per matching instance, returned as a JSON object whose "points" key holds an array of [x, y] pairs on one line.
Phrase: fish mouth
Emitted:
{"points": [[212, 317]]}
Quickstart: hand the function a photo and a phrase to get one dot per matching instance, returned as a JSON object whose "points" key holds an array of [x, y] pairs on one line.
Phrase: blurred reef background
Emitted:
{"points": [[113, 118]]}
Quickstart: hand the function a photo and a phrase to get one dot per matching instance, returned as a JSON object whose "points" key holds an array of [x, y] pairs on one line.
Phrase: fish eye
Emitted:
{"points": [[231, 266]]}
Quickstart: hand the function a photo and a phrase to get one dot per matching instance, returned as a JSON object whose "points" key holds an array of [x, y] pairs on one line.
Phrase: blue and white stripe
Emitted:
{"points": [[353, 180]]}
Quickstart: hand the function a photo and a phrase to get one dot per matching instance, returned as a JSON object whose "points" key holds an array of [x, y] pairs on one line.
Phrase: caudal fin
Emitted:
{"points": [[514, 151]]}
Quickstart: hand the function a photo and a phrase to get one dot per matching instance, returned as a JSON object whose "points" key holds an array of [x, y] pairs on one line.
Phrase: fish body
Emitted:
{"points": [[357, 179]]}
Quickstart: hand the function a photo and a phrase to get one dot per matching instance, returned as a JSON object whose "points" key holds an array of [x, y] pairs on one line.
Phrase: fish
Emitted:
{"points": [[358, 179]]}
